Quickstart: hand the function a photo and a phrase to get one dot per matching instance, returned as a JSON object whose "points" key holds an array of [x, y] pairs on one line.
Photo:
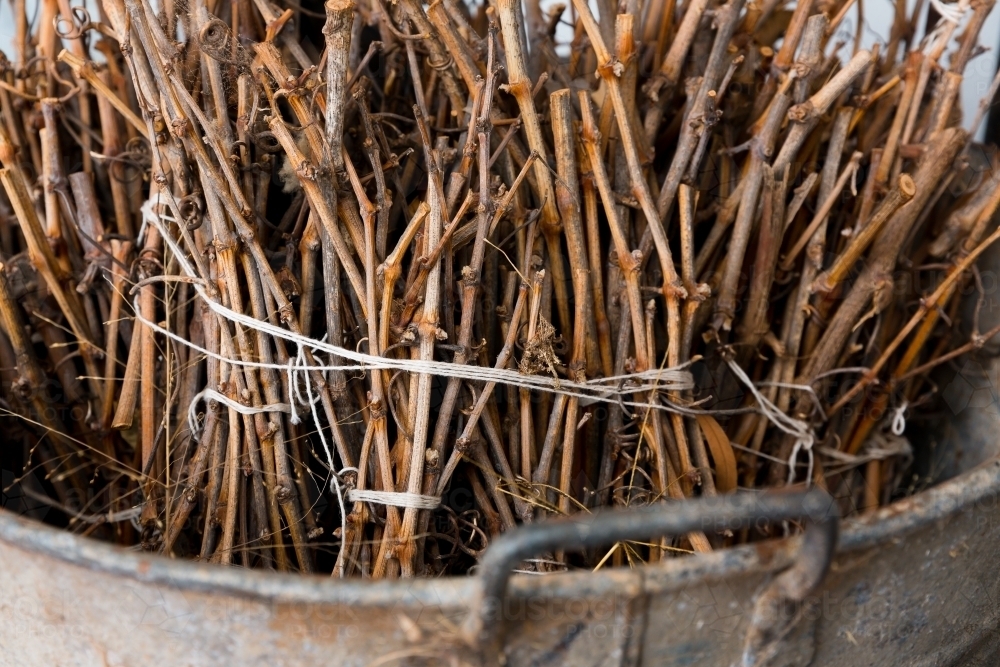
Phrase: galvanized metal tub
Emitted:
{"points": [[913, 584]]}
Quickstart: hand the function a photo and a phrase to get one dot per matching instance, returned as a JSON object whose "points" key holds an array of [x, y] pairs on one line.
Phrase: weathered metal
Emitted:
{"points": [[484, 626], [913, 584]]}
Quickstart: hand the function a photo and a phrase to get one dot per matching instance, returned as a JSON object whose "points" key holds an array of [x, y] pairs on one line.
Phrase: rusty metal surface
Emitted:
{"points": [[926, 593], [734, 512], [70, 601], [914, 584]]}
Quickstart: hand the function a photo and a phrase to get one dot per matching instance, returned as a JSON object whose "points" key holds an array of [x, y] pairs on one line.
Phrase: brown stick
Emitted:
{"points": [[120, 250], [875, 280], [824, 210], [568, 198], [763, 146], [519, 85], [898, 196]]}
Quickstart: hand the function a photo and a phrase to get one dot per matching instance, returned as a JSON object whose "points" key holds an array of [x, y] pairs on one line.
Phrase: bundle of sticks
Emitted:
{"points": [[355, 288]]}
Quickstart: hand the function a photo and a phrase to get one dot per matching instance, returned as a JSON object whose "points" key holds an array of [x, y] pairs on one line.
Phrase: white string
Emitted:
{"points": [[797, 428], [749, 450], [294, 395], [292, 388], [952, 13], [797, 387], [212, 395], [397, 499], [670, 379], [891, 447], [879, 446], [800, 444], [899, 419], [300, 359], [611, 390]]}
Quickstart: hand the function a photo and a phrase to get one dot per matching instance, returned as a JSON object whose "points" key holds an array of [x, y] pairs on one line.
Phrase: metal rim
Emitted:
{"points": [[981, 484], [734, 512]]}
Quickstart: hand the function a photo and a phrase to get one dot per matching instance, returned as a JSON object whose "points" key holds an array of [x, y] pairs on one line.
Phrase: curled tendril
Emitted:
{"points": [[136, 155], [138, 146], [192, 211], [79, 24]]}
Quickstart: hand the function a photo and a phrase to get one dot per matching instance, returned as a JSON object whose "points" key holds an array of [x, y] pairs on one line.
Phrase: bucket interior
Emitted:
{"points": [[961, 432]]}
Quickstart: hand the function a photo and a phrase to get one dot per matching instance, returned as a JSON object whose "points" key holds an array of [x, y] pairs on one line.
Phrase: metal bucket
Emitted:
{"points": [[913, 584]]}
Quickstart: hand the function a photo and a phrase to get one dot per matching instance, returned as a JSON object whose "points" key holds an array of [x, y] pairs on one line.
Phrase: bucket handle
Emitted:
{"points": [[483, 628]]}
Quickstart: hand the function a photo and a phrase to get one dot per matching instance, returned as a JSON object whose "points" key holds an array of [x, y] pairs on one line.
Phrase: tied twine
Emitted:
{"points": [[610, 389], [298, 371], [952, 13], [800, 430], [899, 419], [414, 500], [212, 395], [148, 215], [878, 447]]}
